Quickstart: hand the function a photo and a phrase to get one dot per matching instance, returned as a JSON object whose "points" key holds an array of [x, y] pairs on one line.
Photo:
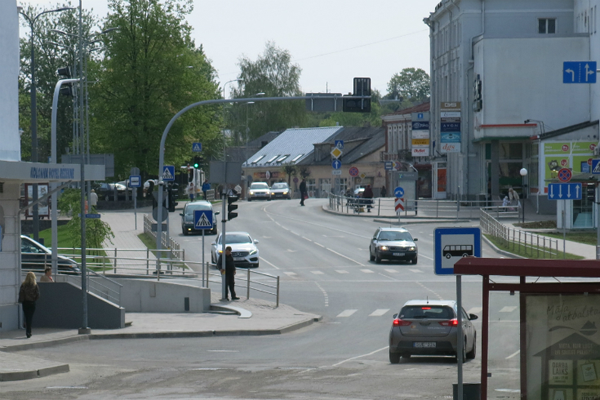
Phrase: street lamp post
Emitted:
{"points": [[34, 144], [523, 173]]}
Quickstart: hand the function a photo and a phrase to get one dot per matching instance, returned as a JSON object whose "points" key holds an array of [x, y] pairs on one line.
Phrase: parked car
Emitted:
{"points": [[106, 191], [187, 217], [243, 248], [35, 256], [393, 244], [429, 327], [280, 190], [259, 190]]}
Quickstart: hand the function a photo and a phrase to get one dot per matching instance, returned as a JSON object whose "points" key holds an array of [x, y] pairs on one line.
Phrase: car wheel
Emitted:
{"points": [[414, 260], [371, 257], [184, 232], [394, 358], [464, 353], [269, 199], [471, 355], [249, 199], [377, 259]]}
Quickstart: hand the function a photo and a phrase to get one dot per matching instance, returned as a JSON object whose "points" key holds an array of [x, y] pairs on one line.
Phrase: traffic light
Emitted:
{"points": [[171, 191], [231, 207], [198, 161], [362, 87], [67, 88]]}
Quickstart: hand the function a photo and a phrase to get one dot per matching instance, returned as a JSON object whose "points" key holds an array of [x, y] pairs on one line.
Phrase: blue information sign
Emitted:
{"points": [[92, 216], [452, 244], [339, 144], [595, 166], [168, 173], [203, 220], [196, 147], [135, 181], [336, 164], [399, 192], [564, 191], [579, 72]]}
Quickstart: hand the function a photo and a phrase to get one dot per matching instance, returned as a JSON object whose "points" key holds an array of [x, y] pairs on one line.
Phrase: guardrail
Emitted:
{"points": [[537, 246], [166, 240]]}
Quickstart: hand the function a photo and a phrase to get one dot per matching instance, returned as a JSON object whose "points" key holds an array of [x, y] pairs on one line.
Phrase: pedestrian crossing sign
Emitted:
{"points": [[197, 147], [595, 166], [168, 174], [203, 219]]}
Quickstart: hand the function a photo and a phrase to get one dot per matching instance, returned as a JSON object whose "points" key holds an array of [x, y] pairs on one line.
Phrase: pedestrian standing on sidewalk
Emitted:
{"points": [[368, 196], [93, 200], [303, 193], [229, 273], [383, 191], [47, 277], [513, 197], [28, 295]]}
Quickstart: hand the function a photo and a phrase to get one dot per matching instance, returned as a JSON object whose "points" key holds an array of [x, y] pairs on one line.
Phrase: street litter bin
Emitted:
{"points": [[471, 391]]}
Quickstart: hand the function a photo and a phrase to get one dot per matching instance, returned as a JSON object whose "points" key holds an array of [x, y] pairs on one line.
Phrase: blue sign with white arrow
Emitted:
{"points": [[564, 191], [595, 166], [336, 164], [168, 173], [399, 192], [203, 219], [579, 72], [196, 147]]}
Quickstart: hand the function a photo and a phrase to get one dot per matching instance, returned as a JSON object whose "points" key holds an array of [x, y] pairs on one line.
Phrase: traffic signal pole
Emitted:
{"points": [[223, 228]]}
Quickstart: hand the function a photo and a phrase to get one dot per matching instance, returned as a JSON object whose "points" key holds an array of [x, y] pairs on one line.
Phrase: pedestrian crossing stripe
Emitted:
{"points": [[203, 221]]}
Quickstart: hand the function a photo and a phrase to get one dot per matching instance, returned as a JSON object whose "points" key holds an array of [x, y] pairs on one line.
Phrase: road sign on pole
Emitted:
{"points": [[135, 181], [168, 174], [564, 175], [339, 144], [196, 147], [336, 152], [565, 191], [399, 192], [579, 72], [595, 166], [353, 171], [336, 164], [399, 204], [452, 244], [203, 219]]}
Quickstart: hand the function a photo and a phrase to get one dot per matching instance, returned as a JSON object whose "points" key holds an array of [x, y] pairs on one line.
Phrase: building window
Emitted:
{"points": [[547, 25]]}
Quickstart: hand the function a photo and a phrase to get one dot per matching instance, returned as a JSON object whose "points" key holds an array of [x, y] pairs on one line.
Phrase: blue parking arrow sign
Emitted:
{"points": [[336, 164], [579, 72], [196, 147], [452, 244], [203, 219], [168, 173], [565, 191], [399, 192]]}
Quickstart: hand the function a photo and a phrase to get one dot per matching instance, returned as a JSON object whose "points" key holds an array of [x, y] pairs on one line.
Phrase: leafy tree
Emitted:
{"points": [[290, 170], [274, 75], [151, 70], [410, 84]]}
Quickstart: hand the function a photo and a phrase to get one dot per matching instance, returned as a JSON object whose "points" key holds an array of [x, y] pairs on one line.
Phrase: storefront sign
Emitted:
{"points": [[450, 129], [420, 152]]}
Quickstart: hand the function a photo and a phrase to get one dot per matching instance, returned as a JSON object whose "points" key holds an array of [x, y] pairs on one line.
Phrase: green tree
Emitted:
{"points": [[411, 84], [274, 75], [151, 70], [290, 170]]}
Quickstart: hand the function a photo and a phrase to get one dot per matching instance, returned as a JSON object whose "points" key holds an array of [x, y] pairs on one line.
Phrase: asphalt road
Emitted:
{"points": [[324, 266]]}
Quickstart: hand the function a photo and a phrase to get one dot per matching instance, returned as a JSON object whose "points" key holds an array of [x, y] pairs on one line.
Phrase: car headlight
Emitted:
{"points": [[412, 248], [285, 192], [253, 252], [384, 248], [272, 193], [251, 192]]}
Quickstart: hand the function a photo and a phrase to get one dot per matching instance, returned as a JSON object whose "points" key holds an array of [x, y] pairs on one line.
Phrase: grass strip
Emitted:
{"points": [[150, 243], [530, 251]]}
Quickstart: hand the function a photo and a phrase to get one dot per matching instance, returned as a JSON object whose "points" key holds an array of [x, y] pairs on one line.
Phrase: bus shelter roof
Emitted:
{"points": [[527, 267]]}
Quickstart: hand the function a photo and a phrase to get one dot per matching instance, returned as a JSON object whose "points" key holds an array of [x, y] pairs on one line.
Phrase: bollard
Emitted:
{"points": [[248, 284]]}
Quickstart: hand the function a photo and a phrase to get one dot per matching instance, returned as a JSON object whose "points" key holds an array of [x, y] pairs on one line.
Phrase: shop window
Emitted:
{"points": [[511, 151], [547, 25]]}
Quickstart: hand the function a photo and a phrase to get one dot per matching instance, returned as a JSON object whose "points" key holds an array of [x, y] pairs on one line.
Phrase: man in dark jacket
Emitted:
{"points": [[368, 195], [229, 273], [303, 192]]}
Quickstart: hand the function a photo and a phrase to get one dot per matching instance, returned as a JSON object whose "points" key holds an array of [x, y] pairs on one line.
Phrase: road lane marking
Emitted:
{"points": [[324, 294], [290, 273], [392, 271], [223, 351], [346, 313], [416, 271], [341, 255], [319, 244], [364, 355], [475, 310], [317, 272], [271, 264], [379, 312], [291, 251], [508, 309], [367, 271], [513, 354], [341, 271], [432, 291], [310, 240]]}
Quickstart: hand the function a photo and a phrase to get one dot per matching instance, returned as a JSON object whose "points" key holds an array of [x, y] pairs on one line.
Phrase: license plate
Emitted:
{"points": [[424, 344], [238, 259], [399, 254]]}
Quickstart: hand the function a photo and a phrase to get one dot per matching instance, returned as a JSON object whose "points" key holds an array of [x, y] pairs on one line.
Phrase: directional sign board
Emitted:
{"points": [[564, 175], [135, 181], [168, 173], [92, 216], [595, 166], [388, 165], [399, 192], [564, 191], [203, 219], [452, 244], [197, 147], [339, 144], [579, 72], [336, 164]]}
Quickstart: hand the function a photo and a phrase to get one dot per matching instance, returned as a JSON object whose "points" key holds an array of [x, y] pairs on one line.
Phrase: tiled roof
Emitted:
{"points": [[291, 146]]}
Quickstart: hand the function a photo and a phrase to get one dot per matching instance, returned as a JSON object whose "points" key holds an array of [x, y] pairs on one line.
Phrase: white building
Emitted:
{"points": [[502, 61]]}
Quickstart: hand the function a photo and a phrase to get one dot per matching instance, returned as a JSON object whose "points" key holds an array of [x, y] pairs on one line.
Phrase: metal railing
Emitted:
{"points": [[522, 242], [166, 240]]}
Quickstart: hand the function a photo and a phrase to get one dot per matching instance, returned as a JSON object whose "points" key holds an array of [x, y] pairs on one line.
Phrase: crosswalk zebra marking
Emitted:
{"points": [[392, 271], [367, 271], [341, 271], [379, 312], [290, 273], [317, 272], [508, 308], [346, 313], [416, 271]]}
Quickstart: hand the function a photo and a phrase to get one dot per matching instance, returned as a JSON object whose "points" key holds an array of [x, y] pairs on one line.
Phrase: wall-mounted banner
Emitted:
{"points": [[450, 133], [420, 152]]}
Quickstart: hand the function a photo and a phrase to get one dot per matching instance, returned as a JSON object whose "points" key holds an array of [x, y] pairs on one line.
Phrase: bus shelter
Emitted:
{"points": [[558, 335]]}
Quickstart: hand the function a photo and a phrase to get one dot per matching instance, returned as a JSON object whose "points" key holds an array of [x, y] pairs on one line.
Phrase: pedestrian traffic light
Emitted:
{"points": [[231, 207], [197, 162]]}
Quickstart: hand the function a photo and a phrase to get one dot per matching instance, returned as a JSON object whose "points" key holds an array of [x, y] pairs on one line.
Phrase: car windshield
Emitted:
{"points": [[260, 185], [426, 311], [235, 238], [279, 186], [394, 235], [202, 206]]}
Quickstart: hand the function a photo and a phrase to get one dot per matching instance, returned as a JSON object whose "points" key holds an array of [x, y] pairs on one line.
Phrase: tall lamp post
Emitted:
{"points": [[34, 144], [523, 173]]}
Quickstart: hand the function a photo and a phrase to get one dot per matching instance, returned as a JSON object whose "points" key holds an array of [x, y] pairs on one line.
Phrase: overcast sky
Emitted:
{"points": [[331, 40]]}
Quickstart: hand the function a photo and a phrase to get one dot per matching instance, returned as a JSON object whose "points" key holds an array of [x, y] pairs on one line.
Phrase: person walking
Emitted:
{"points": [[205, 188], [47, 277], [303, 193], [93, 200], [28, 295], [368, 195], [229, 273], [383, 191]]}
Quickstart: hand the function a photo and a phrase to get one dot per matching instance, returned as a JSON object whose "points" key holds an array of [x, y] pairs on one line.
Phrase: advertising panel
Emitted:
{"points": [[420, 135], [574, 155], [450, 133]]}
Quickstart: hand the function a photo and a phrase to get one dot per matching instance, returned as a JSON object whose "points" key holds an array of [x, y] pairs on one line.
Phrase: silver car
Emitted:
{"points": [[243, 249], [393, 244], [429, 327], [280, 190], [259, 190]]}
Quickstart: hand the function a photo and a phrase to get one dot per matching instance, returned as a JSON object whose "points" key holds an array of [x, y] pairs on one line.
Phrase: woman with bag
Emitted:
{"points": [[28, 295]]}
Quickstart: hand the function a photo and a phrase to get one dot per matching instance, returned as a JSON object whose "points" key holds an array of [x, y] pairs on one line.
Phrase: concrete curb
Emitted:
{"points": [[390, 220], [496, 249], [43, 344], [34, 373], [241, 312], [424, 221]]}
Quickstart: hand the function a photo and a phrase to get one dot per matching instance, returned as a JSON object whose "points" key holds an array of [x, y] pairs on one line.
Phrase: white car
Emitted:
{"points": [[259, 190], [243, 249]]}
